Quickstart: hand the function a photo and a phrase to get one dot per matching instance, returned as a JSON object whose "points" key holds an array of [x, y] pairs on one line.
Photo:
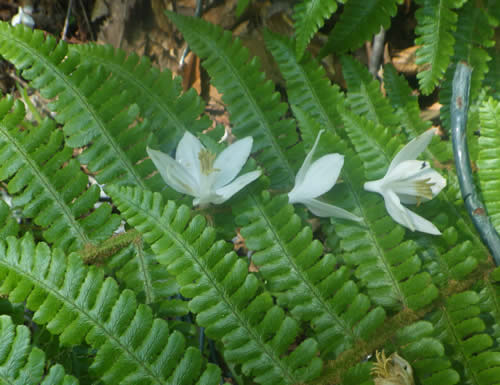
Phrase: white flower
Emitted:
{"points": [[316, 178], [199, 173], [409, 181], [23, 16]]}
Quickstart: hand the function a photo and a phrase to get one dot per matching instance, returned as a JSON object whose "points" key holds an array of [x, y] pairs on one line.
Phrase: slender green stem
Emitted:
{"points": [[474, 206]]}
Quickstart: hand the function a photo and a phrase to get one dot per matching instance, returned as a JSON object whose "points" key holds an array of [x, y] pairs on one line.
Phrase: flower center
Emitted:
{"points": [[207, 160], [423, 188]]}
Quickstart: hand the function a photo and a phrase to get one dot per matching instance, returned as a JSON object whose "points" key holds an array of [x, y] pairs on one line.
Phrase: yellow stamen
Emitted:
{"points": [[394, 370], [423, 188], [207, 160]]}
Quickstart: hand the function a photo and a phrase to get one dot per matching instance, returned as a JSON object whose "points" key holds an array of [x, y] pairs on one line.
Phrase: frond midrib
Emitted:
{"points": [[215, 284], [314, 292], [257, 112], [72, 304], [83, 101], [75, 226], [144, 271]]}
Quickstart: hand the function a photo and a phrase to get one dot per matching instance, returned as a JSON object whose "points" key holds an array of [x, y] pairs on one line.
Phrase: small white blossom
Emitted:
{"points": [[409, 181], [23, 16], [197, 172], [315, 179]]}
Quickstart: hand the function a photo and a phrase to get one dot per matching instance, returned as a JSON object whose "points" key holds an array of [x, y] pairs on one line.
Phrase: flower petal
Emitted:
{"points": [[232, 188], [404, 178], [407, 218], [299, 178], [320, 177], [187, 154], [231, 160], [173, 173], [322, 209], [413, 149]]}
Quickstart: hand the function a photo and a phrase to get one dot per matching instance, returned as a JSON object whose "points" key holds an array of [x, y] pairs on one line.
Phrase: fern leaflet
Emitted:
{"points": [[77, 303], [158, 94], [489, 161], [86, 102], [436, 22], [304, 280], [228, 301], [21, 363], [307, 85], [310, 15], [463, 329], [38, 166], [472, 36], [358, 23], [252, 102], [364, 97]]}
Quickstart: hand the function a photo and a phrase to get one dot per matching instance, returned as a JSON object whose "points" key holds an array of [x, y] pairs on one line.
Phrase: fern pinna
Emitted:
{"points": [[79, 304], [22, 363], [230, 302]]}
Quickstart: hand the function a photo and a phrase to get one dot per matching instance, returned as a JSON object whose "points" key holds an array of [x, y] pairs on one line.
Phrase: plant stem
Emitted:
{"points": [[474, 206]]}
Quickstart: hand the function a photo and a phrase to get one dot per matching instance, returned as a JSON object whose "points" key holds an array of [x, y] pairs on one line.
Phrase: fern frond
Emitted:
{"points": [[472, 37], [307, 85], [426, 354], [37, 166], [436, 22], [227, 299], [408, 111], [364, 96], [489, 160], [21, 363], [253, 104], [463, 329], [309, 16], [359, 21], [86, 102], [157, 93], [77, 303], [376, 147], [305, 280]]}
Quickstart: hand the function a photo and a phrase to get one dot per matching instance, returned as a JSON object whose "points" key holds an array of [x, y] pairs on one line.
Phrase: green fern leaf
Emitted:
{"points": [[463, 329], [364, 96], [426, 354], [473, 35], [309, 16], [87, 103], [137, 269], [408, 111], [307, 85], [305, 280], [37, 166], [21, 363], [228, 300], [358, 23], [253, 104], [436, 23], [386, 278], [489, 161], [158, 94], [77, 303]]}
